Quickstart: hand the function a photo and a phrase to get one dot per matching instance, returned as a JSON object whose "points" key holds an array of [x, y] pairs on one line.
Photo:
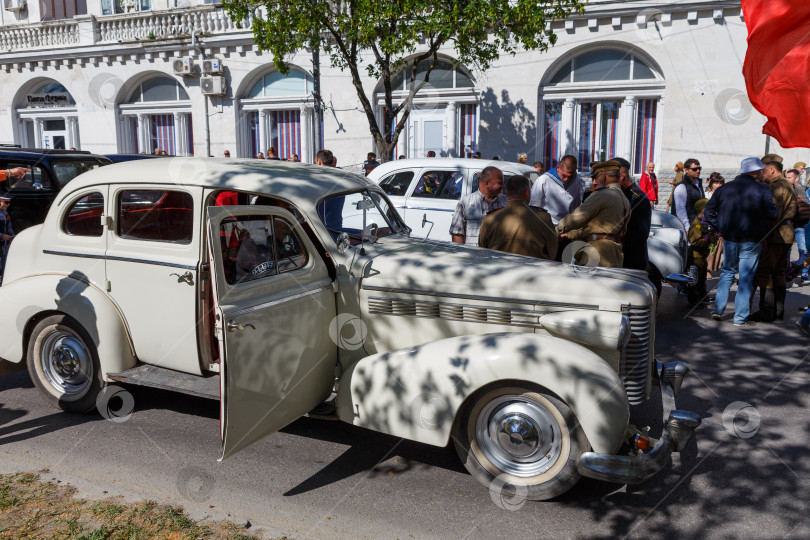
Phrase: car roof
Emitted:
{"points": [[461, 163], [43, 155], [297, 182]]}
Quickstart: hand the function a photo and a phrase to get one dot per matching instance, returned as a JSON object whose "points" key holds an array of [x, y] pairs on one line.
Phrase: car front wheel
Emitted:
{"points": [[63, 363], [520, 443]]}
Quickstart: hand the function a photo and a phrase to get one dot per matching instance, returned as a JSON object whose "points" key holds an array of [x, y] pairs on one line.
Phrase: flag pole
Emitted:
{"points": [[767, 145]]}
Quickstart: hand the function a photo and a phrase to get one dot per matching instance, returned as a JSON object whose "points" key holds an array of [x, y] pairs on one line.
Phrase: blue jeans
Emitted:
{"points": [[802, 245], [741, 257]]}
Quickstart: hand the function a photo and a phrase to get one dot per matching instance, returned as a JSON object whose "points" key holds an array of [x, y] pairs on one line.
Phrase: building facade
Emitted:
{"points": [[648, 81]]}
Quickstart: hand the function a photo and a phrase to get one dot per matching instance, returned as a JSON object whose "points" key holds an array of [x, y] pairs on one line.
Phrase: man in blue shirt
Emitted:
{"points": [[740, 210]]}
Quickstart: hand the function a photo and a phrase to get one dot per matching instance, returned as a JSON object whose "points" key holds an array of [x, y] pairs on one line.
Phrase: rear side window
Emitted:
{"points": [[440, 185], [156, 215], [35, 179], [397, 184], [84, 216]]}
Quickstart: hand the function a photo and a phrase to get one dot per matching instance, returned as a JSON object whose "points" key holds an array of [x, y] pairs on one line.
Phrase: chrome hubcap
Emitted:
{"points": [[519, 435], [66, 363]]}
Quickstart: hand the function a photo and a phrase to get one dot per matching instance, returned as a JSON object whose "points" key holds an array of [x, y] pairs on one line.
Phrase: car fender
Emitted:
{"points": [[664, 256], [27, 300], [416, 393]]}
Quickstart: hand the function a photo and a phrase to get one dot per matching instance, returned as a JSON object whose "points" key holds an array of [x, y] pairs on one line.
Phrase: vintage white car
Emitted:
{"points": [[428, 189], [281, 288]]}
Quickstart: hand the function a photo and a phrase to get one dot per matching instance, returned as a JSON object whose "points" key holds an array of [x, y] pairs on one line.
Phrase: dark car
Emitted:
{"points": [[33, 194], [120, 158]]}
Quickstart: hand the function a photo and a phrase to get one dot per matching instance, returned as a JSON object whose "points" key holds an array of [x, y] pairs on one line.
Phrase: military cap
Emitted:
{"points": [[799, 164], [700, 204], [769, 158], [622, 162], [599, 167], [5, 197]]}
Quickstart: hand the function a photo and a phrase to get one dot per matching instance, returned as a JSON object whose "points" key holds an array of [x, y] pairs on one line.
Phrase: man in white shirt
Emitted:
{"points": [[688, 192], [558, 191]]}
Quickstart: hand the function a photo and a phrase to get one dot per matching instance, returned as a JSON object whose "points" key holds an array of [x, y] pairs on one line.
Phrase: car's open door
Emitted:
{"points": [[274, 303]]}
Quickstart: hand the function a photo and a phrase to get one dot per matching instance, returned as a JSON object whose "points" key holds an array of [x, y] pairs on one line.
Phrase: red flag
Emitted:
{"points": [[776, 69]]}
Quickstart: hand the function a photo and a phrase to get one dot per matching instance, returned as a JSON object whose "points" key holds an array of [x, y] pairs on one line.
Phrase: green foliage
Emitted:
{"points": [[383, 37]]}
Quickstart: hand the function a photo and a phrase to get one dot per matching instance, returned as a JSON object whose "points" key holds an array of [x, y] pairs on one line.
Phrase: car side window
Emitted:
{"points": [[83, 218], [36, 178], [290, 252], [440, 185], [397, 183], [156, 215], [259, 246], [475, 182]]}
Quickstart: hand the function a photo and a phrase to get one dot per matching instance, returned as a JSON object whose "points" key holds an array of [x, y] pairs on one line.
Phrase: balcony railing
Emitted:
{"points": [[145, 26], [39, 35]]}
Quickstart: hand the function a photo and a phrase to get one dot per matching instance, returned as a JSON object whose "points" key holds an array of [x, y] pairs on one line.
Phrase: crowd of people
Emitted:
{"points": [[750, 224]]}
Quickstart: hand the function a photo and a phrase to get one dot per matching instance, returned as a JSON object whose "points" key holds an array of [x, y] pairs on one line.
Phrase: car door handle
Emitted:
{"points": [[188, 277], [234, 326]]}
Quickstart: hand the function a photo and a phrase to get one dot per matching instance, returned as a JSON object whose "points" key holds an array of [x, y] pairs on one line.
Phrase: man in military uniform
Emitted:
{"points": [[602, 219], [634, 245], [6, 232], [470, 210], [770, 275], [518, 228]]}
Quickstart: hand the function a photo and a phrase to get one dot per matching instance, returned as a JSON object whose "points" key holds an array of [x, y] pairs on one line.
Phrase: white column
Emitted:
{"points": [[451, 115], [73, 133], [627, 116], [144, 133], [262, 131], [39, 127], [568, 134], [125, 145], [271, 125], [307, 141], [659, 133]]}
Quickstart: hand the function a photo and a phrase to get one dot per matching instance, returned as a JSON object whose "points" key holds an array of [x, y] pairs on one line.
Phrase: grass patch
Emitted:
{"points": [[31, 508]]}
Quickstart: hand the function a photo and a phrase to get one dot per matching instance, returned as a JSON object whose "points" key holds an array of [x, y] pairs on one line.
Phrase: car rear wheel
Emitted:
{"points": [[521, 443], [63, 363]]}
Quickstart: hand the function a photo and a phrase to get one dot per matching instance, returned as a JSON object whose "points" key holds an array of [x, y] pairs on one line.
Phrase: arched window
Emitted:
{"points": [[276, 84], [156, 118], [158, 89], [48, 117], [277, 116], [444, 117], [622, 121]]}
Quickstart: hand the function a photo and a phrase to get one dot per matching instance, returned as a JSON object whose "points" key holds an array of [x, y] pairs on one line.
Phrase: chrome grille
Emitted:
{"points": [[635, 363], [453, 312]]}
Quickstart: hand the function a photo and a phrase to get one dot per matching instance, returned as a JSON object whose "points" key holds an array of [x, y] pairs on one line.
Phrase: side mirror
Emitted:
{"points": [[343, 242]]}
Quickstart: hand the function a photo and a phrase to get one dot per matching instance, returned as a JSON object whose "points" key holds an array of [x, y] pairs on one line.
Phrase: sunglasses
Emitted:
{"points": [[695, 168]]}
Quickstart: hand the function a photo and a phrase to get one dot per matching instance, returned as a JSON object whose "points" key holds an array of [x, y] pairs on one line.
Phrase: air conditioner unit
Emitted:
{"points": [[213, 86], [212, 66], [183, 66], [14, 5]]}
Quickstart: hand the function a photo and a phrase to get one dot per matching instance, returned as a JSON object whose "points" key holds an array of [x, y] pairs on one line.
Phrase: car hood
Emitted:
{"points": [[430, 267]]}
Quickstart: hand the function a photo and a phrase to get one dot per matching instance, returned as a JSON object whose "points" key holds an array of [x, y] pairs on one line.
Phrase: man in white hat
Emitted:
{"points": [[6, 232], [740, 211]]}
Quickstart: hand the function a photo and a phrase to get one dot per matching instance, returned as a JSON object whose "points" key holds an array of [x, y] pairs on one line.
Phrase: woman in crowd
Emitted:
{"points": [[715, 181]]}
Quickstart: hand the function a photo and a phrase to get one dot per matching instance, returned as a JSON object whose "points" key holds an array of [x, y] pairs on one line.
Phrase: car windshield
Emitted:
{"points": [[68, 170], [353, 212]]}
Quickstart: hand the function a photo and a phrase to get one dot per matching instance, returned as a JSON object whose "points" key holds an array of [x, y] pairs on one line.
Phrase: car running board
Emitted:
{"points": [[206, 386]]}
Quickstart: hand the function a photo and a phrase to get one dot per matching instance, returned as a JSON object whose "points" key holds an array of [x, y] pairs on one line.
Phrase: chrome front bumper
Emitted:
{"points": [[678, 428]]}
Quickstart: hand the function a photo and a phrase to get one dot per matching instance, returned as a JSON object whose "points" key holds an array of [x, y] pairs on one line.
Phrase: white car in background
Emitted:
{"points": [[433, 187], [427, 190]]}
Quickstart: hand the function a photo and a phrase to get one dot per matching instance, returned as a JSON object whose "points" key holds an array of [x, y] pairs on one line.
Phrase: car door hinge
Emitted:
{"points": [[107, 285], [334, 286]]}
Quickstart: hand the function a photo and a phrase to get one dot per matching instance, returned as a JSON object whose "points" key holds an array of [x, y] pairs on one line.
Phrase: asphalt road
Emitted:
{"points": [[321, 479]]}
